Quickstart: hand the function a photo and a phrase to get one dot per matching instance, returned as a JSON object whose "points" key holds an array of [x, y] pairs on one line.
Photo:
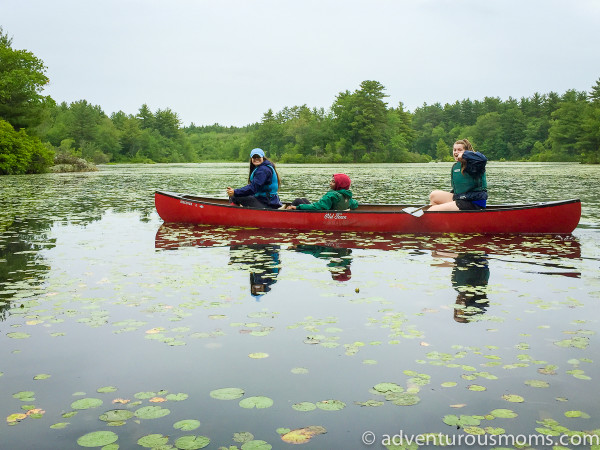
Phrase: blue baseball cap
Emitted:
{"points": [[257, 151]]}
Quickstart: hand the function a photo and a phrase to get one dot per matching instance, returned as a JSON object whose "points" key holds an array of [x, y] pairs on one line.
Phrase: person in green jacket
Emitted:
{"points": [[468, 180], [338, 198]]}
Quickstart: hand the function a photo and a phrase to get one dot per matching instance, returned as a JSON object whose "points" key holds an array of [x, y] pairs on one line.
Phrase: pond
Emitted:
{"points": [[118, 331]]}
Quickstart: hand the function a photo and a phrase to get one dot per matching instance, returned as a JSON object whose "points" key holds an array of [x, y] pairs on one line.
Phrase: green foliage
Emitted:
{"points": [[20, 153], [358, 128], [22, 78]]}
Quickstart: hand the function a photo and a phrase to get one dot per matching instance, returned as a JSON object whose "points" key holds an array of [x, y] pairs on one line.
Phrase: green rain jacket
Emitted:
{"points": [[333, 200]]}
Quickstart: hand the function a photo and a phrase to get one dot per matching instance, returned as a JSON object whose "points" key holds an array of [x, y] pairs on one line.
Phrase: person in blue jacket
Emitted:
{"points": [[469, 185], [262, 187]]}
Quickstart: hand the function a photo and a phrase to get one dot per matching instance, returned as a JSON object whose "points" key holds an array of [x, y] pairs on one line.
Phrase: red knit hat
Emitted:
{"points": [[342, 181]]}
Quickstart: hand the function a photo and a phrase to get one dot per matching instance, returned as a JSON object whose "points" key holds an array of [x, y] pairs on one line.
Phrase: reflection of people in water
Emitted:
{"points": [[470, 276], [339, 259], [263, 263]]}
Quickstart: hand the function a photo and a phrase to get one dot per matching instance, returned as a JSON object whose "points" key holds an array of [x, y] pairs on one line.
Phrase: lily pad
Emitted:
{"points": [[513, 398], [299, 370], [537, 383], [152, 440], [258, 355], [151, 412], [449, 384], [42, 376], [331, 405], [14, 418], [462, 421], [303, 435], [18, 335], [242, 437], [388, 387], [59, 425], [548, 370], [86, 403], [474, 430], [177, 397], [106, 389], [145, 395], [304, 406], [192, 442], [406, 399], [476, 387], [574, 414], [116, 415], [186, 425], [97, 439], [495, 431], [372, 403], [504, 413], [227, 393], [256, 445], [259, 402], [116, 423], [25, 396]]}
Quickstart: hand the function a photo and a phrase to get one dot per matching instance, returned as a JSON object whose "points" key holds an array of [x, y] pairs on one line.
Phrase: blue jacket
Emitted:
{"points": [[260, 186]]}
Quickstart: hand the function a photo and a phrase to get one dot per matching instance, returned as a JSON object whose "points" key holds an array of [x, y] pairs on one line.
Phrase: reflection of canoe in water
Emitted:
{"points": [[171, 236], [538, 218]]}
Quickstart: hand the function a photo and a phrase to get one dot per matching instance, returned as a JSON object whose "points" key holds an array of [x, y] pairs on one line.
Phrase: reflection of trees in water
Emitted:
{"points": [[262, 261], [339, 259], [21, 266], [470, 275], [79, 198]]}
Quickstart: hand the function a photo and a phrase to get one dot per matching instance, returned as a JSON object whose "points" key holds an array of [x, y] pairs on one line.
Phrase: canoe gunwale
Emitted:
{"points": [[363, 208]]}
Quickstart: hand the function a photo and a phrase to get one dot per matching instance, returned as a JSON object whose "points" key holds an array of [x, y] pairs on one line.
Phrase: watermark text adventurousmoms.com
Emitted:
{"points": [[481, 440]]}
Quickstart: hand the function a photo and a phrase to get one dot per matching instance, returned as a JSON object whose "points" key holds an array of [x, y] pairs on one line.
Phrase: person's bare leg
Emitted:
{"points": [[449, 206], [439, 197]]}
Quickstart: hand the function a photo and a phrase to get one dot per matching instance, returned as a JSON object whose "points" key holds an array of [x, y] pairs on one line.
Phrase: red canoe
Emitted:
{"points": [[560, 217]]}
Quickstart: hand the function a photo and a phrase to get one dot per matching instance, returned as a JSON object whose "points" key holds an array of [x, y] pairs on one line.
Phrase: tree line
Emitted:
{"points": [[359, 127]]}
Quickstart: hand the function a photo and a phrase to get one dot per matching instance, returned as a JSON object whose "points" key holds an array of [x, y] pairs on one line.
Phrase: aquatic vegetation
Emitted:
{"points": [[110, 319]]}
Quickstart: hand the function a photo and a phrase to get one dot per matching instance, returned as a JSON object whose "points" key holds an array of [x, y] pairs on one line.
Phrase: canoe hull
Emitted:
{"points": [[540, 218]]}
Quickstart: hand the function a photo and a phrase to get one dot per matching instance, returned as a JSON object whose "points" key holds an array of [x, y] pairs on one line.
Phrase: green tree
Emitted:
{"points": [[400, 134], [594, 94], [488, 136], [85, 121], [361, 119], [167, 123], [61, 123], [146, 117], [20, 153], [108, 139], [566, 132], [268, 136], [22, 79], [443, 151], [513, 130]]}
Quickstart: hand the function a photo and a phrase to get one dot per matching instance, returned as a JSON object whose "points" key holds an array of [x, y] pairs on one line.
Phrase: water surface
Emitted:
{"points": [[344, 331]]}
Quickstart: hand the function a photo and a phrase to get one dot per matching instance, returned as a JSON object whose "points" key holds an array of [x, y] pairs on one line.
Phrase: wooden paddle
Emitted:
{"points": [[417, 212]]}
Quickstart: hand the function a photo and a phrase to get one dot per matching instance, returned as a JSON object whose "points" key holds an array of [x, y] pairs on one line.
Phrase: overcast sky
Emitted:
{"points": [[229, 61]]}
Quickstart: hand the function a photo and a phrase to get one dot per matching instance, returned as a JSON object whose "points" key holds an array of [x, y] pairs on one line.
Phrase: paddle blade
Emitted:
{"points": [[418, 213], [410, 209]]}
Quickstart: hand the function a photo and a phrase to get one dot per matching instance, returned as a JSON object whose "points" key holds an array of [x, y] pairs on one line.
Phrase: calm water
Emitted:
{"points": [[114, 328]]}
